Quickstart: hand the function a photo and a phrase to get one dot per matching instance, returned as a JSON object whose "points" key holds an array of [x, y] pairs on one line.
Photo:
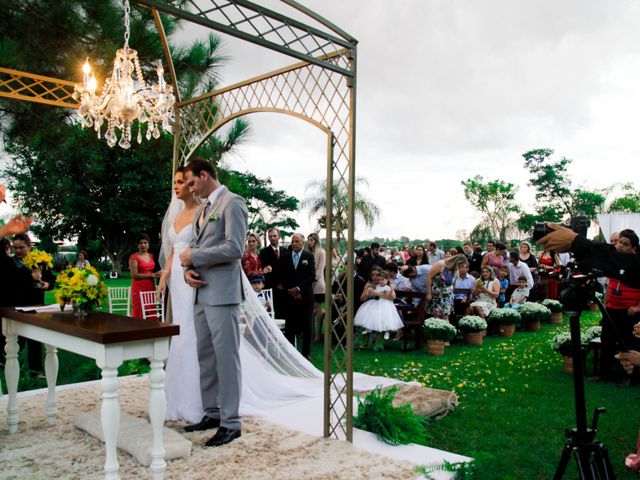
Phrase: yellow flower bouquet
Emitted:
{"points": [[38, 260], [82, 288]]}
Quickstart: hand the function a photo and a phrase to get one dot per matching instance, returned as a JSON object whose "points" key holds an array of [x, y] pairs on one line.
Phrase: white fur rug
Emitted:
{"points": [[265, 450]]}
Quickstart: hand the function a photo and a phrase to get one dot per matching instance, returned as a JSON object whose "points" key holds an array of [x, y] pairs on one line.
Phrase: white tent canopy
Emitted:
{"points": [[614, 222]]}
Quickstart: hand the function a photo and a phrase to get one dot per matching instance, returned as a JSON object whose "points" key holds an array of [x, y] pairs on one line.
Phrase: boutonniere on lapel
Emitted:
{"points": [[214, 216], [305, 262]]}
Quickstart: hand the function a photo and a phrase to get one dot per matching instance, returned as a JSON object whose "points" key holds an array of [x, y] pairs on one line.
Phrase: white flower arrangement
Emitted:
{"points": [[561, 343], [593, 332], [554, 305], [531, 311], [438, 329], [472, 324], [505, 316]]}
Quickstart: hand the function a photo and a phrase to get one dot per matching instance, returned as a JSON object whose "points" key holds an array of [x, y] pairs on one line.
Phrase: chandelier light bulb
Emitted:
{"points": [[125, 97]]}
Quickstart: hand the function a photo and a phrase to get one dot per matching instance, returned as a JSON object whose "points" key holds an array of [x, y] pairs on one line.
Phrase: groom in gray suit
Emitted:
{"points": [[212, 268]]}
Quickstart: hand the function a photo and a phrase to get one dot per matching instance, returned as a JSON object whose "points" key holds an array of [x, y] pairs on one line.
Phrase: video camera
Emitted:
{"points": [[578, 225]]}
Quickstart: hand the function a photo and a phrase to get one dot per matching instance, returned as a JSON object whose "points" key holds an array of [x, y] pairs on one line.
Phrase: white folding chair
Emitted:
{"points": [[268, 295], [120, 300], [152, 306]]}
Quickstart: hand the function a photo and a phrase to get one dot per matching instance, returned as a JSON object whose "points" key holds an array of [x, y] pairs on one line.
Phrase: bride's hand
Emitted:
{"points": [[162, 285]]}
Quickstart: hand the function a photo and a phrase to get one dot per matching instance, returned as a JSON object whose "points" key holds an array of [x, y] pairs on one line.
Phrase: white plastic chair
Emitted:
{"points": [[120, 300], [268, 295], [152, 305]]}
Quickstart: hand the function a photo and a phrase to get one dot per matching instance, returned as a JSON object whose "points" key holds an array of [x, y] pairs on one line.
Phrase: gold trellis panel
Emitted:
{"points": [[321, 90], [324, 98]]}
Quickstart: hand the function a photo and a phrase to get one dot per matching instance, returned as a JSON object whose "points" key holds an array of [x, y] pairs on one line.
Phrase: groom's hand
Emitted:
{"points": [[185, 257], [193, 279]]}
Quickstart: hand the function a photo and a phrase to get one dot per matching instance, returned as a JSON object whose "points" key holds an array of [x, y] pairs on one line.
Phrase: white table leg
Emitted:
{"points": [[110, 418], [51, 371], [157, 412], [11, 374]]}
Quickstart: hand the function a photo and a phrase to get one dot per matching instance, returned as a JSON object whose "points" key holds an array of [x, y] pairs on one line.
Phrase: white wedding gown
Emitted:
{"points": [[273, 372]]}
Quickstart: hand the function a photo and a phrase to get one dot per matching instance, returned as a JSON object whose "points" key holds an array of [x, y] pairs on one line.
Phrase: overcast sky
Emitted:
{"points": [[448, 89]]}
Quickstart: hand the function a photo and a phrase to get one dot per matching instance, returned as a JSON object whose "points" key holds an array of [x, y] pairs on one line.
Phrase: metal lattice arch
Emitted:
{"points": [[319, 89]]}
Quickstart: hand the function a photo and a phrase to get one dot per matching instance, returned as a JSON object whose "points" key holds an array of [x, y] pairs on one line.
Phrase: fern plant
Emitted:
{"points": [[393, 425]]}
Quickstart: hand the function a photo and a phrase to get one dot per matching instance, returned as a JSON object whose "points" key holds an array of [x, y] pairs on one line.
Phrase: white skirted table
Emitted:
{"points": [[107, 338]]}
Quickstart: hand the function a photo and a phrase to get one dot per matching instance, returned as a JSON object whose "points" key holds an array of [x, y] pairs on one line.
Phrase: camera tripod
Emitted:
{"points": [[591, 456]]}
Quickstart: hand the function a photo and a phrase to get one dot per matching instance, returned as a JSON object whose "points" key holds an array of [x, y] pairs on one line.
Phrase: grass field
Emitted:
{"points": [[515, 399], [515, 402]]}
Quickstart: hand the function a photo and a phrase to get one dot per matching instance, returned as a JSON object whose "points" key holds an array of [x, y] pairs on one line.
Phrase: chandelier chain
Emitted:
{"points": [[127, 11]]}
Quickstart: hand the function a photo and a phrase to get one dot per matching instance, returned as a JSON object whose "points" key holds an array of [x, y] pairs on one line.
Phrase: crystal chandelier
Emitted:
{"points": [[125, 97]]}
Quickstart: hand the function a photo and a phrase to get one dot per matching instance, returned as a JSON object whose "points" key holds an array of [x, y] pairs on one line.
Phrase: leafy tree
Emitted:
{"points": [[496, 201], [628, 202], [557, 198], [65, 176], [267, 206], [316, 203]]}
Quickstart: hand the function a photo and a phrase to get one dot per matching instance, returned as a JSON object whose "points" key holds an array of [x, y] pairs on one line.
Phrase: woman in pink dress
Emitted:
{"points": [[141, 265], [495, 258]]}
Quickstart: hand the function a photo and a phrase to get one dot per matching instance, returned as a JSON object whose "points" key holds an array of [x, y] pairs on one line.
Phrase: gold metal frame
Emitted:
{"points": [[321, 90]]}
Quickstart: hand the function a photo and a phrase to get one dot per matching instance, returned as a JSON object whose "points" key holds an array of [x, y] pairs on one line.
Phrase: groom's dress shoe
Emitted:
{"points": [[223, 435], [207, 423]]}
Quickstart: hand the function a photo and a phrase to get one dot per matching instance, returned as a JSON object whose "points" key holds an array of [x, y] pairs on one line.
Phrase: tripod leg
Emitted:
{"points": [[564, 461], [585, 469], [603, 463]]}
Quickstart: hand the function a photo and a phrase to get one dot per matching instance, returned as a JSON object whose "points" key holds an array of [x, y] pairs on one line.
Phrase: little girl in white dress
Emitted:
{"points": [[379, 314]]}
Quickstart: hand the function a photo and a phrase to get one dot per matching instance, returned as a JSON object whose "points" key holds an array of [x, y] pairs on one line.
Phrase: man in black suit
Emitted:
{"points": [[270, 257], [298, 272]]}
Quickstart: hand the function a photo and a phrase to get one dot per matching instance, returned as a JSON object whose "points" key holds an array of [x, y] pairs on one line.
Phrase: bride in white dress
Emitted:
{"points": [[273, 372]]}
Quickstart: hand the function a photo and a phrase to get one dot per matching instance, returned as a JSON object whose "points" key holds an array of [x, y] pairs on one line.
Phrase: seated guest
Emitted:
{"points": [[487, 290], [517, 269], [464, 281], [257, 283], [519, 295], [397, 257], [417, 275], [503, 278], [397, 281]]}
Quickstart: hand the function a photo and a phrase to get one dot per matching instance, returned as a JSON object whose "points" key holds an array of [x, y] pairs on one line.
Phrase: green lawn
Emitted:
{"points": [[515, 402], [515, 399]]}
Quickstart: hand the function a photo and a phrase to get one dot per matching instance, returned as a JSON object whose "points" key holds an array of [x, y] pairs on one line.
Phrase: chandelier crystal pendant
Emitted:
{"points": [[125, 98]]}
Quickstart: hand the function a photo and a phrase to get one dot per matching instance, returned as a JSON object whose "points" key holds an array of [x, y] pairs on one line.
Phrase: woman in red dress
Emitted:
{"points": [[548, 262], [141, 265], [250, 259]]}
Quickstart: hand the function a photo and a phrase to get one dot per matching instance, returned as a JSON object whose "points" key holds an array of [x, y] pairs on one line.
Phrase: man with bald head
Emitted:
{"points": [[297, 274]]}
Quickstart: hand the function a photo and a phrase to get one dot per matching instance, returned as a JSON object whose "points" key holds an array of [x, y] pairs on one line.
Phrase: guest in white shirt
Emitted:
{"points": [[434, 254], [518, 269]]}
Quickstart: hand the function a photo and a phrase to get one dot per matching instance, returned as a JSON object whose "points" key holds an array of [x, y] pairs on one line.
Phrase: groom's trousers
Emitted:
{"points": [[218, 336]]}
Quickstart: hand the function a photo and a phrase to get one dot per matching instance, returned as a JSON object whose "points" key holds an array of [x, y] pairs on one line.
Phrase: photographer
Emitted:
{"points": [[591, 255], [622, 266]]}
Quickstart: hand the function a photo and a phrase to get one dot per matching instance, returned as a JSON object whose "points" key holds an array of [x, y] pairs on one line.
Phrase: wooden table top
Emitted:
{"points": [[99, 327]]}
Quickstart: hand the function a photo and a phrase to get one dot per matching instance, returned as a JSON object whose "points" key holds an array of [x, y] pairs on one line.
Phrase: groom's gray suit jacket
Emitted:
{"points": [[217, 247]]}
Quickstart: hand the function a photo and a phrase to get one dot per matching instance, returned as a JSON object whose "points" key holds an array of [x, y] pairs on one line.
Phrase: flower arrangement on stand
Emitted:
{"points": [[561, 343], [472, 327], [532, 314], [437, 332], [556, 310], [507, 319], [38, 260], [82, 288], [593, 332]]}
